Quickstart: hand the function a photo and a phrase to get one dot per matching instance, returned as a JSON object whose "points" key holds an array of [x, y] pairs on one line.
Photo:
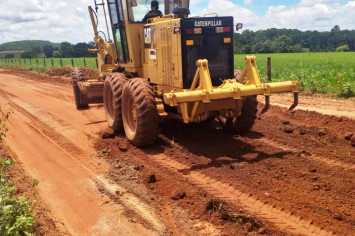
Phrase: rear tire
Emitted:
{"points": [[113, 88], [77, 76], [139, 112], [247, 117], [245, 121]]}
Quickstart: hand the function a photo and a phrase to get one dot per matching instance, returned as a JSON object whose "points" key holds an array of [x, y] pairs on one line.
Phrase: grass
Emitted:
{"points": [[317, 72]]}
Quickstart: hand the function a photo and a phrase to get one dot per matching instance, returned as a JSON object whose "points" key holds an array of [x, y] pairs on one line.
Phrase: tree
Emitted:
{"points": [[36, 51], [335, 28], [28, 54], [66, 49], [81, 50], [342, 48], [48, 50], [9, 55]]}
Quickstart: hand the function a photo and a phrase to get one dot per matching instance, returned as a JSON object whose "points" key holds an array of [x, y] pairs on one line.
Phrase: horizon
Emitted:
{"points": [[53, 21]]}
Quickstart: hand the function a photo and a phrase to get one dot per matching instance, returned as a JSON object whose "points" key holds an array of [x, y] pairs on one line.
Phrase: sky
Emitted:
{"points": [[68, 20]]}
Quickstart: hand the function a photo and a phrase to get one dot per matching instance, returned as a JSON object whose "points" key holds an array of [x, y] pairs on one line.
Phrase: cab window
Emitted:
{"points": [[137, 9]]}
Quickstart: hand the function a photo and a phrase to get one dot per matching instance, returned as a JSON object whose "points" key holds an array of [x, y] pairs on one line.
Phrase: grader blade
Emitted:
{"points": [[230, 88]]}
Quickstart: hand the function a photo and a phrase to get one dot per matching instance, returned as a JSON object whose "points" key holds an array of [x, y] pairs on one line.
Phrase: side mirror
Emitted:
{"points": [[239, 26]]}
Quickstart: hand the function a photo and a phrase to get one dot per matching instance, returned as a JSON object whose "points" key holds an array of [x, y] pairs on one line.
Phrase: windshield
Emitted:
{"points": [[140, 10], [137, 9]]}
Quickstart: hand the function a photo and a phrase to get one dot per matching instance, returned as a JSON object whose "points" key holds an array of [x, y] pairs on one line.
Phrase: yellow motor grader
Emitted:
{"points": [[172, 65]]}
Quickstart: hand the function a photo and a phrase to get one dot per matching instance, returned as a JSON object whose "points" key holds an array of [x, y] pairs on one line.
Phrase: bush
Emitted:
{"points": [[342, 48], [4, 116], [15, 215], [9, 55]]}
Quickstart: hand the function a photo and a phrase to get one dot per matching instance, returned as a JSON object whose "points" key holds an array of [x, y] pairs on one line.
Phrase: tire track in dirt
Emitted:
{"points": [[129, 201], [329, 162], [282, 219]]}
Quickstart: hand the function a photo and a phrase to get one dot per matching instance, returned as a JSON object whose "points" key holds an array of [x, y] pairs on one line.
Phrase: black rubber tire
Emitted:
{"points": [[245, 121], [112, 97], [77, 76], [247, 117], [139, 112]]}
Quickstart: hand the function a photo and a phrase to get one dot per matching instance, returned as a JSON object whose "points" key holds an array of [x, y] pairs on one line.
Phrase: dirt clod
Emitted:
{"points": [[322, 133], [348, 135], [352, 140], [288, 129], [177, 195], [286, 122], [138, 168], [303, 131], [316, 187], [123, 147], [262, 230], [338, 216], [248, 227], [152, 179], [108, 136]]}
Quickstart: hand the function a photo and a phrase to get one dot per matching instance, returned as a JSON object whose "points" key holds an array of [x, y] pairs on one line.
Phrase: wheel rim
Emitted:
{"points": [[131, 115], [111, 104]]}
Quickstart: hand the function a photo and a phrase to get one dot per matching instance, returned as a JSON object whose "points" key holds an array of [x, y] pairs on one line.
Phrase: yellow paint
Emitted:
{"points": [[161, 63]]}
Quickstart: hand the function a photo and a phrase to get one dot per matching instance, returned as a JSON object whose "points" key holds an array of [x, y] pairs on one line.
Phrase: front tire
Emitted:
{"points": [[139, 112], [80, 101], [113, 88]]}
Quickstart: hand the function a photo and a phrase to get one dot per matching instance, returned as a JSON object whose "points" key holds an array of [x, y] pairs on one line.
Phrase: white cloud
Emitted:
{"points": [[228, 8], [248, 2], [57, 21], [319, 15], [350, 4]]}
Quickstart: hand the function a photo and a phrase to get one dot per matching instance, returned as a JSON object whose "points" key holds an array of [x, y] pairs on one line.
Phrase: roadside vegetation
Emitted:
{"points": [[317, 72], [16, 218]]}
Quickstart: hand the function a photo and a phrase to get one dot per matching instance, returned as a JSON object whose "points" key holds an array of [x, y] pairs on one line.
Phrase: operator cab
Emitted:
{"points": [[131, 13]]}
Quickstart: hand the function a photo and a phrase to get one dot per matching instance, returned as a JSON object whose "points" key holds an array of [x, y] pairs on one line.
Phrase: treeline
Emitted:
{"points": [[25, 45], [64, 49], [292, 40]]}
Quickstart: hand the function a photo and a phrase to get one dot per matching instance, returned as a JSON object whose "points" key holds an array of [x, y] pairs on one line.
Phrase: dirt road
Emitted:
{"points": [[292, 175]]}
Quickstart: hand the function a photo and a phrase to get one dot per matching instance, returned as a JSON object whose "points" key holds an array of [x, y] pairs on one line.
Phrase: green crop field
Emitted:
{"points": [[318, 72]]}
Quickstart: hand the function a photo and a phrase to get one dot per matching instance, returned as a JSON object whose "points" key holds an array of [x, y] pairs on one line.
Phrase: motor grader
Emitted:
{"points": [[171, 66]]}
